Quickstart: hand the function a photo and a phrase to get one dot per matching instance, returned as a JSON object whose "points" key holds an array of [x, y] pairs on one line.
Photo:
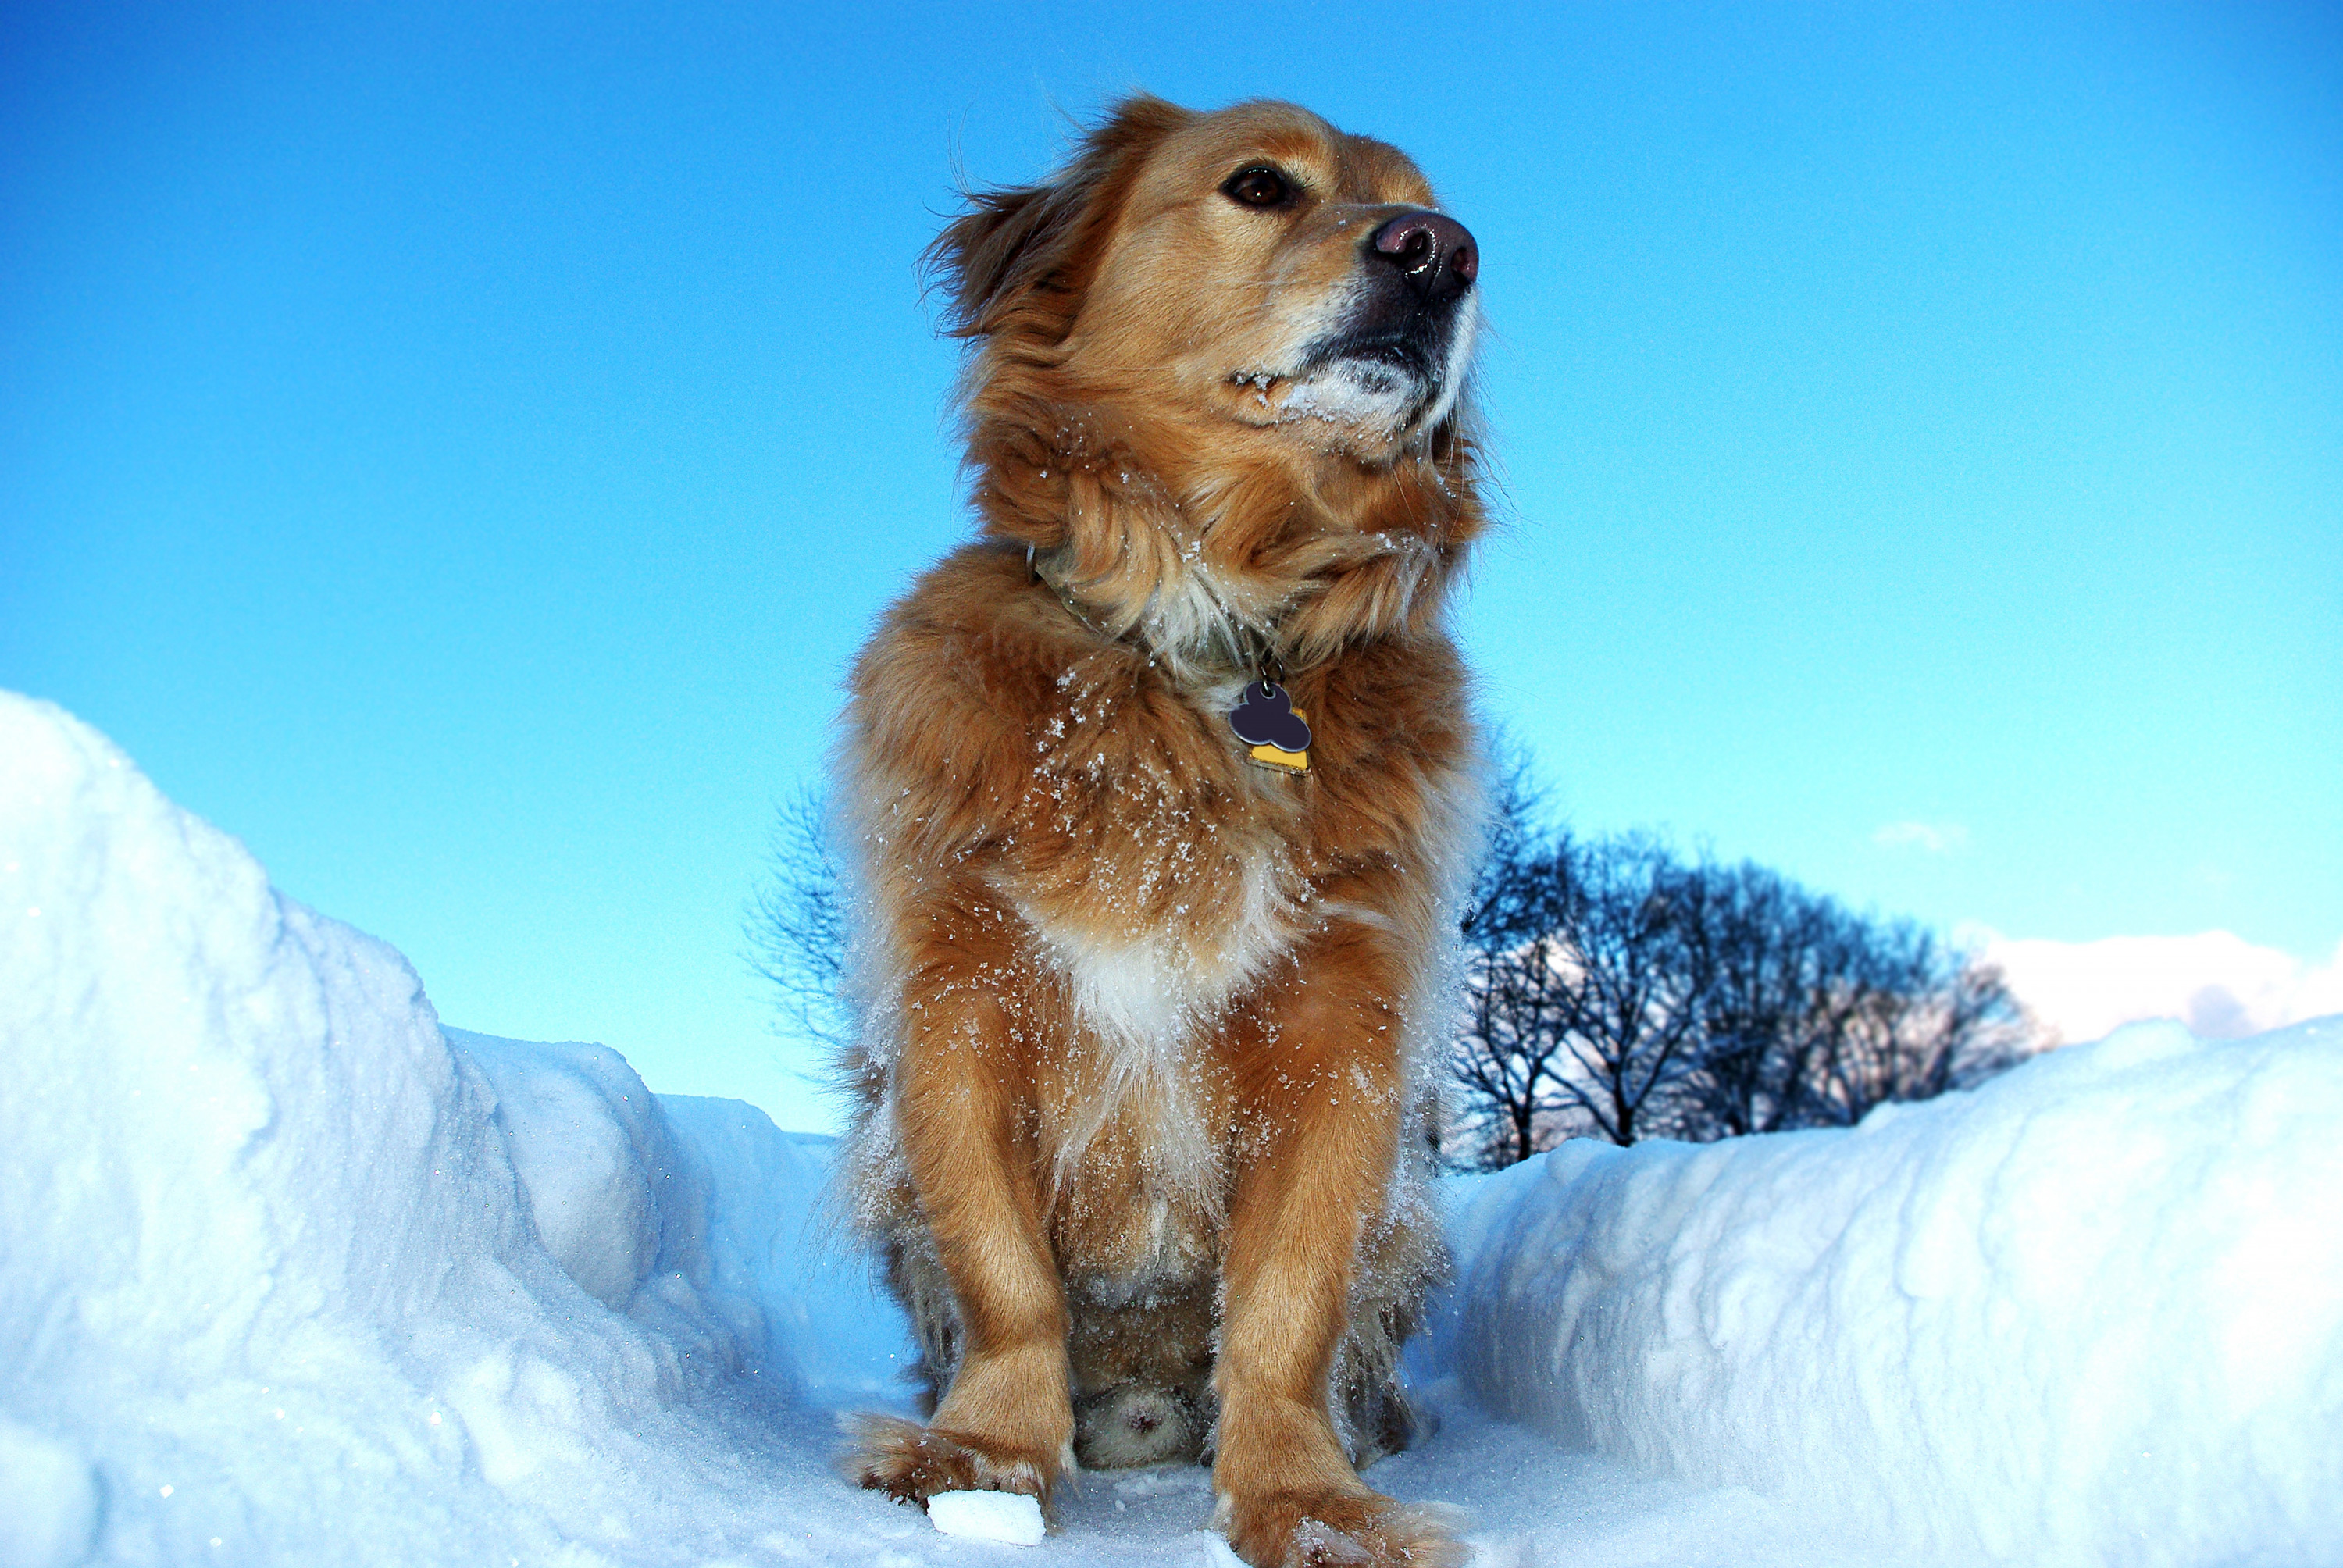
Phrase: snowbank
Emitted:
{"points": [[285, 1276], [677, 1210], [289, 1274], [2091, 1312]]}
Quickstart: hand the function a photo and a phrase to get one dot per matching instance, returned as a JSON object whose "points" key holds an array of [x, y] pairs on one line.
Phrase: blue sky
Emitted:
{"points": [[458, 449]]}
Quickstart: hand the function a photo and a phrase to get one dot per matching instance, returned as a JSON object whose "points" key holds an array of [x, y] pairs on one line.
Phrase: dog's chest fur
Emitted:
{"points": [[1176, 875], [1189, 892]]}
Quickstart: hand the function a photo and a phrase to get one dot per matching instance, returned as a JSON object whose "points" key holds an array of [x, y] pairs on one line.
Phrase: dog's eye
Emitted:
{"points": [[1258, 186]]}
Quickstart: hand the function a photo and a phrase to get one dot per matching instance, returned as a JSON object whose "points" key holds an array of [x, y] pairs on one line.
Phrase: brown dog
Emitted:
{"points": [[1154, 979]]}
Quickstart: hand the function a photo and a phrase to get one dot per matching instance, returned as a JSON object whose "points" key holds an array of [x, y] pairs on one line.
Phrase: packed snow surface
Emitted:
{"points": [[291, 1273]]}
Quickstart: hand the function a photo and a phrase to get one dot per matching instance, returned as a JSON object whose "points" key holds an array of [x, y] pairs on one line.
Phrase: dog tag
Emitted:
{"points": [[1264, 720]]}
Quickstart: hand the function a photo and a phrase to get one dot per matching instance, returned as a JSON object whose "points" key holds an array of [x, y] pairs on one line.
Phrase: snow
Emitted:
{"points": [[52, 1515], [268, 1272], [2215, 982], [2092, 1312], [290, 1272], [1006, 1516]]}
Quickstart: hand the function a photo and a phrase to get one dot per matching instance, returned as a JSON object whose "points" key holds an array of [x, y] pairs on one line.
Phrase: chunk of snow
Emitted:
{"points": [[600, 1172], [1010, 1516], [2091, 1311]]}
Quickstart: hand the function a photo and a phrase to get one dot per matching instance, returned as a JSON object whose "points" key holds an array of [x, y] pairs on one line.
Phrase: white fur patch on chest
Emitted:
{"points": [[1143, 1000], [1152, 991]]}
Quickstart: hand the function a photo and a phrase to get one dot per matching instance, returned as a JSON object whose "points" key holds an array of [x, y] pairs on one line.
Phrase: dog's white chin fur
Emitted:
{"points": [[1379, 400]]}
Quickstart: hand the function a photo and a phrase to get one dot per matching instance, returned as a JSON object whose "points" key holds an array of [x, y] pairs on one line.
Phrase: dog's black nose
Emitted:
{"points": [[1433, 251]]}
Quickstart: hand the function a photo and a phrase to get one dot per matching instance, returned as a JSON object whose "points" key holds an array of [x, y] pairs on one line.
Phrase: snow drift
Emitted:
{"points": [[285, 1276], [2090, 1312], [291, 1274]]}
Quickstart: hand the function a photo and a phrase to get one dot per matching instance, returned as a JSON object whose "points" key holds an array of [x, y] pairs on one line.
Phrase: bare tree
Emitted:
{"points": [[796, 923], [1634, 976], [1924, 1019], [1776, 1005], [1513, 1058], [1577, 989], [1508, 1054], [1616, 990]]}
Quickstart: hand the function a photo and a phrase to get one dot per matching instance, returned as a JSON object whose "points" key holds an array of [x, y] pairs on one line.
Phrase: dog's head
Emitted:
{"points": [[1256, 264], [1249, 326]]}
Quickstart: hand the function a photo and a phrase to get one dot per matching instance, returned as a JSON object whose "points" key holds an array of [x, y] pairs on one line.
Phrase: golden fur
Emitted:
{"points": [[1143, 1079]]}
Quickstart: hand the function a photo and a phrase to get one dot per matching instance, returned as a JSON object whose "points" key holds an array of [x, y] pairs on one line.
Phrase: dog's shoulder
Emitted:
{"points": [[938, 687], [975, 592], [961, 643], [961, 697]]}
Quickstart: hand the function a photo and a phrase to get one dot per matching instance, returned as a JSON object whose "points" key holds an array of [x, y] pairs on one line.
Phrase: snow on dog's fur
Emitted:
{"points": [[1144, 1070]]}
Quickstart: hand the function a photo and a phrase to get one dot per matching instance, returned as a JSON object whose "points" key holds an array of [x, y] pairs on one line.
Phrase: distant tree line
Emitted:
{"points": [[1617, 989], [1612, 987]]}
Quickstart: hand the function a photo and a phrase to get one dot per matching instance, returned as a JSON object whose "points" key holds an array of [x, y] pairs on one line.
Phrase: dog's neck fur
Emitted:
{"points": [[1211, 565]]}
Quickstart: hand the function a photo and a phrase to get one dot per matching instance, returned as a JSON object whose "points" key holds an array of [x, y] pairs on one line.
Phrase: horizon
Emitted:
{"points": [[458, 454]]}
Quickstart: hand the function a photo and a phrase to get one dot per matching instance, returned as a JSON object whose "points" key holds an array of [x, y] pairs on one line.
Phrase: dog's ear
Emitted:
{"points": [[1031, 247]]}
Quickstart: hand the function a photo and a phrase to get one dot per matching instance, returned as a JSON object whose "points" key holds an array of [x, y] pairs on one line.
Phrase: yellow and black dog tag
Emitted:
{"points": [[1264, 720]]}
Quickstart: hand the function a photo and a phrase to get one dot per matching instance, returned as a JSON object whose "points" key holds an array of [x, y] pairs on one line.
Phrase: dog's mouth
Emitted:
{"points": [[1383, 382], [1407, 356], [1391, 378]]}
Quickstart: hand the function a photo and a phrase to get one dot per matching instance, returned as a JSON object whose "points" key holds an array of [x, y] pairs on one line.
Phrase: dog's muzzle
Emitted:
{"points": [[1404, 338]]}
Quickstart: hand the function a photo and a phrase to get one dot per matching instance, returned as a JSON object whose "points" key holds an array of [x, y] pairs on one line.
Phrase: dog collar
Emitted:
{"points": [[1274, 733]]}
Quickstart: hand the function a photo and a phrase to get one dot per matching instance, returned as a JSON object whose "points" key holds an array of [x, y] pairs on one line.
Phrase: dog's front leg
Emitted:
{"points": [[1318, 1081], [1006, 1424]]}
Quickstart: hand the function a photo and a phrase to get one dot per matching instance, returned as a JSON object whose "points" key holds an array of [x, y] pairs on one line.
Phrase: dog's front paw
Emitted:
{"points": [[1338, 1529], [911, 1463]]}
